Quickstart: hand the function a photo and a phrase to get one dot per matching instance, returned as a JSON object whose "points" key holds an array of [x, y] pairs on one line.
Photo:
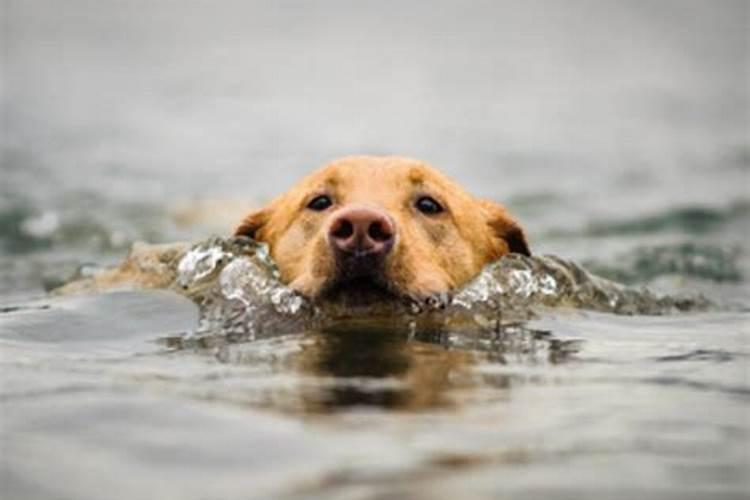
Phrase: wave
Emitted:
{"points": [[688, 219], [690, 259], [237, 288]]}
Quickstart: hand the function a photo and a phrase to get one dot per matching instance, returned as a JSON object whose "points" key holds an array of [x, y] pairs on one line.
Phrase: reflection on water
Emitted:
{"points": [[389, 363], [385, 404], [369, 365], [391, 405]]}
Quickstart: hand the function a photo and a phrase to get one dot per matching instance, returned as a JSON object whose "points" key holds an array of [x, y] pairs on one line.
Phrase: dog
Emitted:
{"points": [[370, 228]]}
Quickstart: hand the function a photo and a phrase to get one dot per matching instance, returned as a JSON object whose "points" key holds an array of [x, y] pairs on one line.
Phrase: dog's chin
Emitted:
{"points": [[361, 291]]}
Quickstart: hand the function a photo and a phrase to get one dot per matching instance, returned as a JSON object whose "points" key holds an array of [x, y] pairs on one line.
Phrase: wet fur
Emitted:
{"points": [[432, 254]]}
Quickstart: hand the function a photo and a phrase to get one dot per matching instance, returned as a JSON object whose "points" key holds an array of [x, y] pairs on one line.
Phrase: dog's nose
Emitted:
{"points": [[361, 230]]}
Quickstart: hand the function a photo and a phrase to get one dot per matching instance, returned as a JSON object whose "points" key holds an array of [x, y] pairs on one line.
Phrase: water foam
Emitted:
{"points": [[238, 289]]}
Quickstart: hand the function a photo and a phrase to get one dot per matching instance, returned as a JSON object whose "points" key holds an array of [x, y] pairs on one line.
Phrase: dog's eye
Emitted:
{"points": [[428, 205], [320, 203]]}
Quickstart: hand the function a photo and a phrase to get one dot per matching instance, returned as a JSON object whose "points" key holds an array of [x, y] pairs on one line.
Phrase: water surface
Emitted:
{"points": [[615, 131]]}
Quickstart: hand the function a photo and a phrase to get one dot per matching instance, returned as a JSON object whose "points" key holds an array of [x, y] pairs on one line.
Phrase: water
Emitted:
{"points": [[616, 131]]}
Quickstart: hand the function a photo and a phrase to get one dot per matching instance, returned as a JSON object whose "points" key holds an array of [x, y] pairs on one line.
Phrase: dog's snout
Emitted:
{"points": [[362, 230]]}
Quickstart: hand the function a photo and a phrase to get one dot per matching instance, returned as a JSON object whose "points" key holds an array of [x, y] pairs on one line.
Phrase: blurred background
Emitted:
{"points": [[162, 120]]}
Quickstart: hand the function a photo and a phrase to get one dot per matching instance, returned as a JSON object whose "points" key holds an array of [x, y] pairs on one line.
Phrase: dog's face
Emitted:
{"points": [[381, 227]]}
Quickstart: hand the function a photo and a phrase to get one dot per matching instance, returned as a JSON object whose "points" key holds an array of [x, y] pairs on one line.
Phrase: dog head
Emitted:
{"points": [[381, 227]]}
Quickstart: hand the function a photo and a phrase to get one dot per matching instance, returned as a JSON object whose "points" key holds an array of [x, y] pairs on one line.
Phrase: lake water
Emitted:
{"points": [[617, 132]]}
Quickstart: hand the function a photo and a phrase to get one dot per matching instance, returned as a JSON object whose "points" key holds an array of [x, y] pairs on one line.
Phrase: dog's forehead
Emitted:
{"points": [[373, 174]]}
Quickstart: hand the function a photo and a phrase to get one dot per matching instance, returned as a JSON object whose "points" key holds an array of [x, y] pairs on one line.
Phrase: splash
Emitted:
{"points": [[517, 282], [241, 297], [237, 288]]}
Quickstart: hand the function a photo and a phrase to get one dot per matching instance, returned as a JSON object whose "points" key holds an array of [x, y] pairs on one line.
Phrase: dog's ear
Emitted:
{"points": [[251, 225], [506, 228]]}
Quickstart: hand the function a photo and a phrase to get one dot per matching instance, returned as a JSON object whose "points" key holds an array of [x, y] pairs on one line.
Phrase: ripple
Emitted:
{"points": [[688, 219], [690, 259], [238, 289], [700, 355]]}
